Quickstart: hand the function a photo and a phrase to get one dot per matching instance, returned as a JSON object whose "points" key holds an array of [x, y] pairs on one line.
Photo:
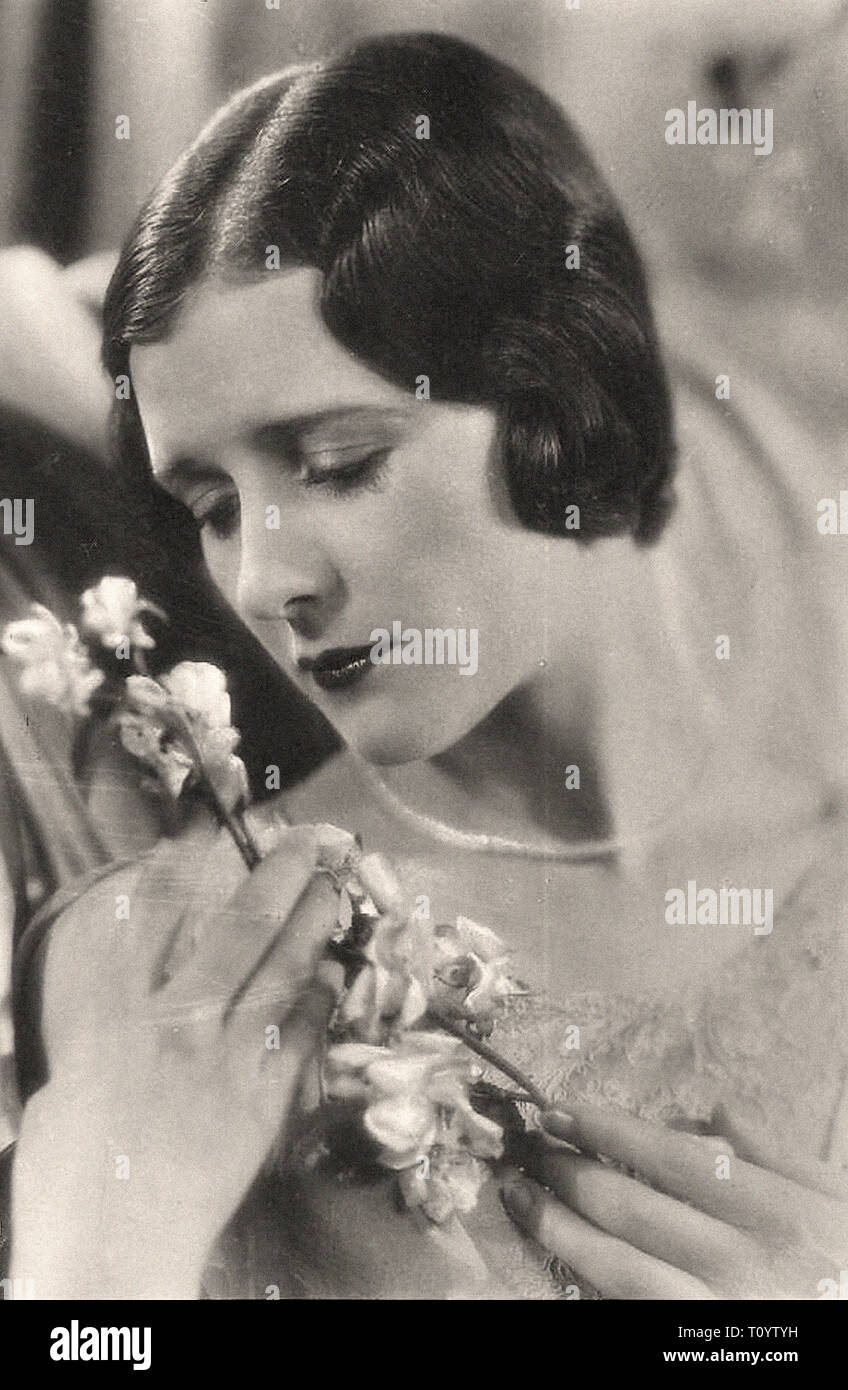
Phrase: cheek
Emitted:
{"points": [[444, 559], [441, 543], [434, 529]]}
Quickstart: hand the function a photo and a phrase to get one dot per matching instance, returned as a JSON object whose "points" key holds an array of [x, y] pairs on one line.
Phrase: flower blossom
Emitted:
{"points": [[201, 689], [454, 972], [391, 991], [55, 666], [153, 744], [112, 611], [338, 852], [417, 1108], [180, 725], [472, 975]]}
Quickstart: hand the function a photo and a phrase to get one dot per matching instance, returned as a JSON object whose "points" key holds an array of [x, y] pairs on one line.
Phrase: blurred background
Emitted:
{"points": [[70, 67], [748, 256]]}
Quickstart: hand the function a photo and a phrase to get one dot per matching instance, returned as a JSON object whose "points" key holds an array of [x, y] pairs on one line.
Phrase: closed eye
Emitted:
{"points": [[363, 472], [217, 511]]}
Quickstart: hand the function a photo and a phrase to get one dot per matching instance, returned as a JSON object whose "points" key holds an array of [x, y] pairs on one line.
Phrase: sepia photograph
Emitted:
{"points": [[424, 659]]}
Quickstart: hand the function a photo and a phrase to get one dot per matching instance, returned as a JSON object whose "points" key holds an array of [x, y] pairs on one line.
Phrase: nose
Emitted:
{"points": [[284, 572]]}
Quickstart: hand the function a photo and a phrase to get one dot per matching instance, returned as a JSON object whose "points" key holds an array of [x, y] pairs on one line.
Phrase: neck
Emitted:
{"points": [[529, 769], [622, 718]]}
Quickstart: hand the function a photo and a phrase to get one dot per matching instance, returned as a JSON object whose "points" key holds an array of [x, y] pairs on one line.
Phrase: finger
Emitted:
{"points": [[307, 1020], [614, 1268], [756, 1147], [289, 963], [234, 944], [266, 824], [209, 878], [672, 1231], [716, 1143], [302, 1035], [270, 1078], [680, 1164], [380, 881], [170, 877], [710, 1143], [205, 879]]}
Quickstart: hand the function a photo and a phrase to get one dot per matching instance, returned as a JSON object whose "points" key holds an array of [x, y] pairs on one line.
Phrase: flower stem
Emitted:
{"points": [[237, 828], [234, 823], [534, 1095]]}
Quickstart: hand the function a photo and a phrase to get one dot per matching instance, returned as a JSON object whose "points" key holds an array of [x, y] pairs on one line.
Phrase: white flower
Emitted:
{"points": [[201, 690], [147, 742], [146, 696], [225, 771], [472, 974], [391, 990], [112, 611], [458, 972], [338, 852], [54, 664], [449, 1182], [418, 1110], [182, 724]]}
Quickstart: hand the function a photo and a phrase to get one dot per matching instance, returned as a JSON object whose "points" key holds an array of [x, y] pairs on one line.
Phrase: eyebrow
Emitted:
{"points": [[287, 435]]}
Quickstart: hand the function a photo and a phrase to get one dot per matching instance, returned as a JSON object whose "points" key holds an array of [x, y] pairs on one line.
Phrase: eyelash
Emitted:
{"points": [[222, 518], [364, 472]]}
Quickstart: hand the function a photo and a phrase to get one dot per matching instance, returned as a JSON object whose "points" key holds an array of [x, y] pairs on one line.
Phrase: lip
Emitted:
{"points": [[338, 668]]}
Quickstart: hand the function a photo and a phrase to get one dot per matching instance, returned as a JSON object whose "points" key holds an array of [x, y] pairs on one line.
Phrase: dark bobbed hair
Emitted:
{"points": [[443, 256]]}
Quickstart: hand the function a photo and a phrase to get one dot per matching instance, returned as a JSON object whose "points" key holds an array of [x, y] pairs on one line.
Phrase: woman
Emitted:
{"points": [[389, 341]]}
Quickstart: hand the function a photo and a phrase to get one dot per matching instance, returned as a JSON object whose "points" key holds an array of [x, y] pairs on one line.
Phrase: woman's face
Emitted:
{"points": [[334, 504]]}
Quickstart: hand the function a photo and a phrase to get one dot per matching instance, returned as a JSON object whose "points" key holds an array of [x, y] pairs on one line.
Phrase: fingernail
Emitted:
{"points": [[519, 1198], [557, 1123]]}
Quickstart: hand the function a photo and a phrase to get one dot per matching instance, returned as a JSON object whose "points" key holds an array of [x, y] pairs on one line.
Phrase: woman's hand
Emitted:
{"points": [[730, 1217], [174, 1075]]}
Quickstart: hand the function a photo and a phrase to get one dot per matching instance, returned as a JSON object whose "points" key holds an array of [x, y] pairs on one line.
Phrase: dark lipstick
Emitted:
{"points": [[338, 668]]}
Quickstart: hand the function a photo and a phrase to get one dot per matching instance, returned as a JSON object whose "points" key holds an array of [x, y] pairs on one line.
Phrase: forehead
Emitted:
{"points": [[243, 353]]}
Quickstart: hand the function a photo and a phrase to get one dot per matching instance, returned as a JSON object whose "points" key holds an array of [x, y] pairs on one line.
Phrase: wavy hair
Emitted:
{"points": [[445, 256]]}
